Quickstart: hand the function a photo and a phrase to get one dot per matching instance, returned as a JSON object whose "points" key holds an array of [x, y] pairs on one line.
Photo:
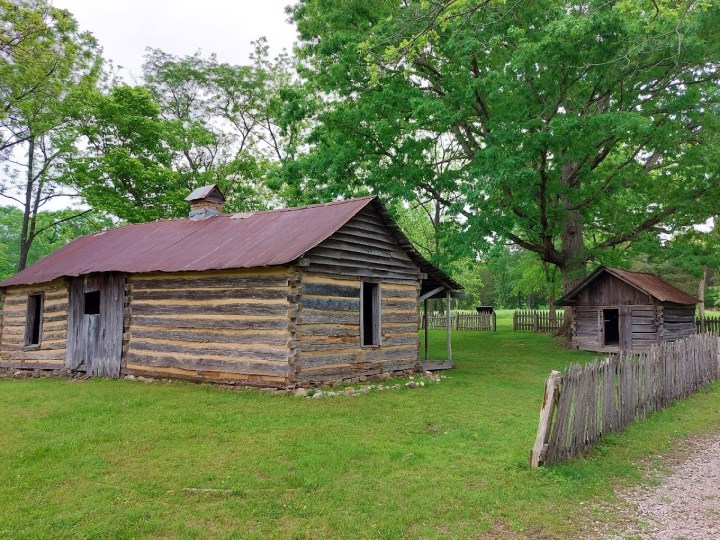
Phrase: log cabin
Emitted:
{"points": [[297, 296], [613, 310]]}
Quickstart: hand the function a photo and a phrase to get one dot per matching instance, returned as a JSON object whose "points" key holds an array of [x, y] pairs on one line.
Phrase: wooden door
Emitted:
{"points": [[626, 328], [95, 324]]}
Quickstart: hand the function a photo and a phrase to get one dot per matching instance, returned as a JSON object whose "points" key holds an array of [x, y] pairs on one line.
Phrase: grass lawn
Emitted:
{"points": [[112, 459]]}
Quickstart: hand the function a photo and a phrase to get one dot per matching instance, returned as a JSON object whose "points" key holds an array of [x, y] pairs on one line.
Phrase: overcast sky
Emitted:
{"points": [[125, 28]]}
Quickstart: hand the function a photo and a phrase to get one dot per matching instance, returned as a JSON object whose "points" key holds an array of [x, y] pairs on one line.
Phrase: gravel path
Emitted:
{"points": [[686, 503]]}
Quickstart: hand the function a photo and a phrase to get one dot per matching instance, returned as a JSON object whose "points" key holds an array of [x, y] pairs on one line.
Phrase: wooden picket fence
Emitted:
{"points": [[537, 320], [708, 325], [463, 321], [604, 396]]}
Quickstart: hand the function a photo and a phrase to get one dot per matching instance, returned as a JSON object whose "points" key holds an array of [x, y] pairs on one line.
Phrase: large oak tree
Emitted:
{"points": [[570, 128]]}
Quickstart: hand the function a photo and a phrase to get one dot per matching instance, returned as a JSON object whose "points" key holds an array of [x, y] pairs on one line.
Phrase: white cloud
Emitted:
{"points": [[125, 28]]}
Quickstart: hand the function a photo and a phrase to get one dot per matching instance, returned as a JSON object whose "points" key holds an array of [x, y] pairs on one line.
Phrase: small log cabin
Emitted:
{"points": [[309, 295], [614, 310]]}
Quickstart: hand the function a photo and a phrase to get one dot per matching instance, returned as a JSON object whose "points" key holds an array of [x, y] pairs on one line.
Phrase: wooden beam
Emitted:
{"points": [[539, 451], [425, 304], [449, 327], [431, 293]]}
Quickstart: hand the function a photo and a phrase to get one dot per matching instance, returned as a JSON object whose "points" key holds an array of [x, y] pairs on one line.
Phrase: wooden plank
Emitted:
{"points": [[107, 354], [188, 348], [336, 267], [279, 293], [626, 327], [245, 308], [204, 363], [392, 292], [207, 322], [77, 340], [208, 375], [33, 364], [209, 282], [539, 451], [436, 365], [332, 304], [330, 289], [361, 356], [25, 355], [367, 254], [272, 337]]}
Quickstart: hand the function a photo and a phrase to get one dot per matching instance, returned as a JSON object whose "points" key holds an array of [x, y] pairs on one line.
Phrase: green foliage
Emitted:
{"points": [[572, 129], [54, 231], [127, 167], [238, 122], [48, 69]]}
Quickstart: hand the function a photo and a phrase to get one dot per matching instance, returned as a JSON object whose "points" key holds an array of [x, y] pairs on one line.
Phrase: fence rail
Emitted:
{"points": [[463, 321], [604, 396], [537, 320], [708, 325]]}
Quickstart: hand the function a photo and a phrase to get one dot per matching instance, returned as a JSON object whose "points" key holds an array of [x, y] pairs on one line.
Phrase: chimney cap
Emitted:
{"points": [[207, 193]]}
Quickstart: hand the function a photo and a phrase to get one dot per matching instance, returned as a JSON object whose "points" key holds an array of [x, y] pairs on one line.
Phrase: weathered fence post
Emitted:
{"points": [[539, 451]]}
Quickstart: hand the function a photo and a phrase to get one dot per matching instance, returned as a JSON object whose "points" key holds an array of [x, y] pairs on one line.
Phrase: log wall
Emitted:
{"points": [[50, 353], [678, 321], [327, 330], [363, 248], [220, 326], [639, 325]]}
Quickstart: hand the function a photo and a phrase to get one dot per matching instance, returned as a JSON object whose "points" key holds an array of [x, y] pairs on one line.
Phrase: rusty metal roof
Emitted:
{"points": [[650, 284], [270, 238]]}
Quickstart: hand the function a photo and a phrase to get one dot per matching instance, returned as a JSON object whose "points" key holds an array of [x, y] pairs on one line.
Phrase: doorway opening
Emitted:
{"points": [[369, 314], [33, 327], [611, 326]]}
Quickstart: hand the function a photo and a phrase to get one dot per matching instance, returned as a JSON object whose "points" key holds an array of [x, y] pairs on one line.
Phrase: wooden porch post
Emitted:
{"points": [[449, 328], [427, 329]]}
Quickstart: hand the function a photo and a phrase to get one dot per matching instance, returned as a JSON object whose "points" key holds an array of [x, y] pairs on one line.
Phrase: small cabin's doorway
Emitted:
{"points": [[611, 327], [95, 324]]}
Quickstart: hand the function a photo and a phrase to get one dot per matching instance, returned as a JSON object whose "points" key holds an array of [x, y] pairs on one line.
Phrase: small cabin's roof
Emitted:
{"points": [[205, 192], [648, 283], [246, 240]]}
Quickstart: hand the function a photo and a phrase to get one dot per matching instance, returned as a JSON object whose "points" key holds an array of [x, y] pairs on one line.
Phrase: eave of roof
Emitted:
{"points": [[435, 275], [649, 284]]}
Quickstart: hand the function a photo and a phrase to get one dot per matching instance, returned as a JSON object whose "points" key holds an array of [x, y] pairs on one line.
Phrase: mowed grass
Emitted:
{"points": [[114, 459]]}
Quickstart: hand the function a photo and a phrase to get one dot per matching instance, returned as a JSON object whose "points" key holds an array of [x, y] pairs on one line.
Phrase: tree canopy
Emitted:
{"points": [[570, 128], [48, 67]]}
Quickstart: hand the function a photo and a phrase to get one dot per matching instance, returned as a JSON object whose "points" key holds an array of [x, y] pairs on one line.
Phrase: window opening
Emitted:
{"points": [[92, 303], [370, 314], [611, 322], [34, 319]]}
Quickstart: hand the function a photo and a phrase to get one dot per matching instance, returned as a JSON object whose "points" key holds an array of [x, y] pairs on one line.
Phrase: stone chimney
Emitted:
{"points": [[205, 202]]}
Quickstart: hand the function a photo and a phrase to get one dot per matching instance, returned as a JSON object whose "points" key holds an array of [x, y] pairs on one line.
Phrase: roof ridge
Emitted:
{"points": [[270, 211], [315, 205], [633, 271]]}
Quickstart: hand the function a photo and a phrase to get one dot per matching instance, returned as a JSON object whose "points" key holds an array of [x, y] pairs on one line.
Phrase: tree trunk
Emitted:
{"points": [[701, 296], [572, 244], [571, 238], [27, 209]]}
